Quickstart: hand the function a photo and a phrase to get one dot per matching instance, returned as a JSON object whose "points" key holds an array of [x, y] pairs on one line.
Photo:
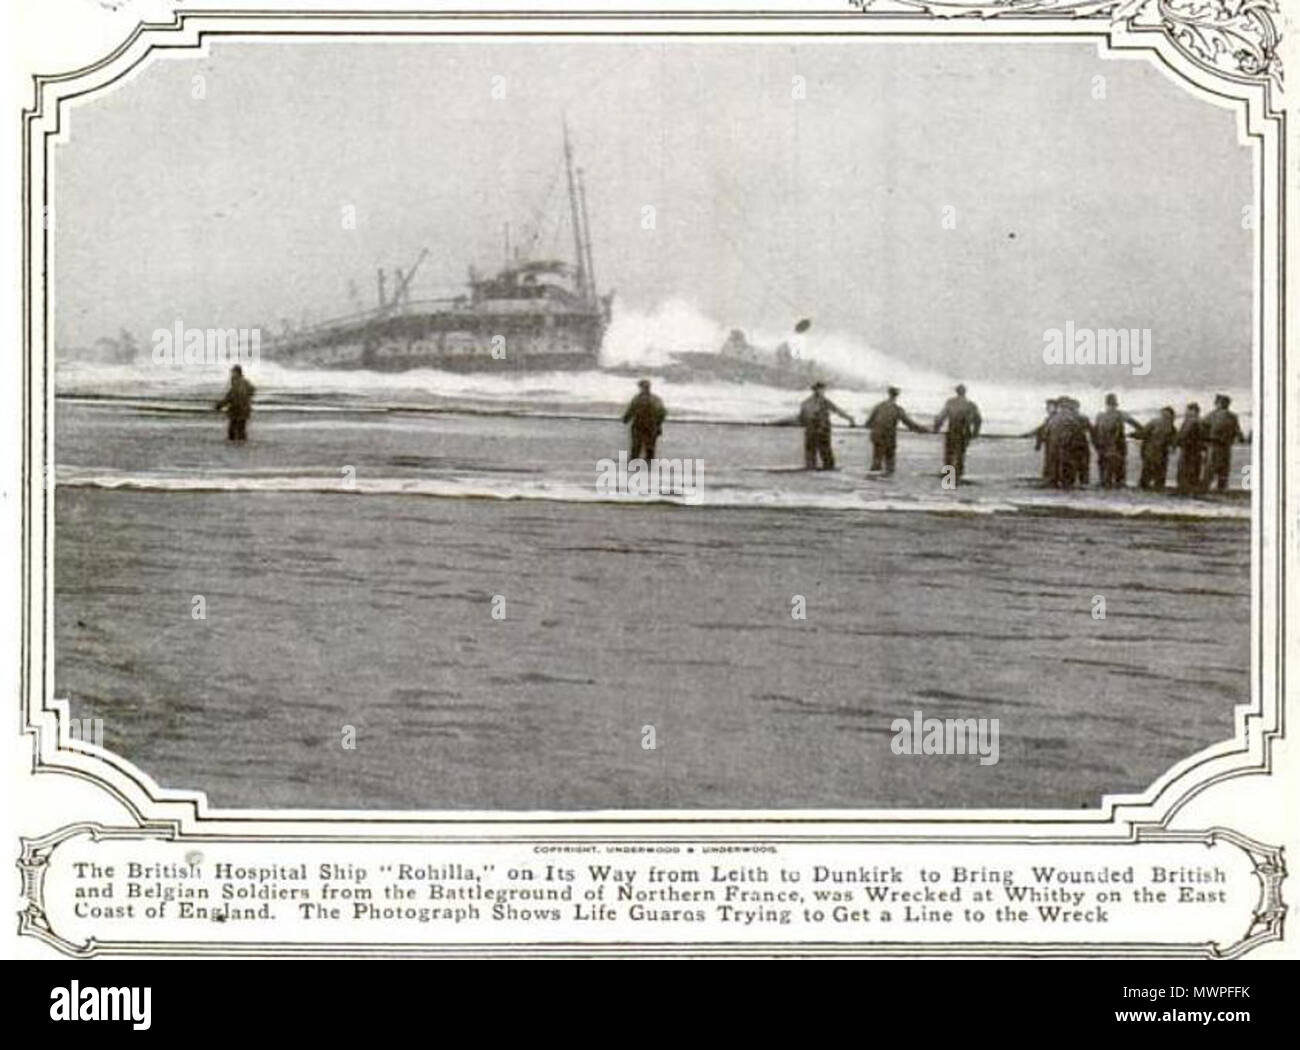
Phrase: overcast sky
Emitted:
{"points": [[227, 210]]}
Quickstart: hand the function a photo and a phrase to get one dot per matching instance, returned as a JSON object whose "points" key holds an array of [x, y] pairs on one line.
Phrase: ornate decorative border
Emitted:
{"points": [[1267, 920], [1247, 76], [1236, 38], [1270, 866]]}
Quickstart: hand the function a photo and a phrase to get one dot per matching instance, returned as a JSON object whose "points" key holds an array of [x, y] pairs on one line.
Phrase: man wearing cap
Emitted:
{"points": [[815, 418], [1111, 442], [646, 413], [1222, 429], [883, 424], [963, 419]]}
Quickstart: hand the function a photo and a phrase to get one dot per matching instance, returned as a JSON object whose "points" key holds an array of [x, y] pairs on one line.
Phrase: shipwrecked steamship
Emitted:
{"points": [[532, 315]]}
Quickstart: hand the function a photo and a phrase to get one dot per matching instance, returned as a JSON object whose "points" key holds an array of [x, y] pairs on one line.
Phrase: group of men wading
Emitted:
{"points": [[645, 415], [960, 414], [1204, 445], [1066, 435]]}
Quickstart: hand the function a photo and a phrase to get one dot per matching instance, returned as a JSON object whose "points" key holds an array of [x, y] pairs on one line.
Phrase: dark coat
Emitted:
{"points": [[815, 412], [1108, 431], [962, 416], [884, 419], [646, 413], [238, 401], [1222, 427]]}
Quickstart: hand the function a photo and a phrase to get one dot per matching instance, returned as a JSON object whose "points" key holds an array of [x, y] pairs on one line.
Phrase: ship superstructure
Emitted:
{"points": [[531, 315]]}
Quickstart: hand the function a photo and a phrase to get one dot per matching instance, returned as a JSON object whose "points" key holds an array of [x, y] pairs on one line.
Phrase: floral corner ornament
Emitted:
{"points": [[1230, 35], [1235, 38]]}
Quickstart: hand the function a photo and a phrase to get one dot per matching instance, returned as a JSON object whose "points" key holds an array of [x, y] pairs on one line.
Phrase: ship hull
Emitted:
{"points": [[701, 366], [497, 341]]}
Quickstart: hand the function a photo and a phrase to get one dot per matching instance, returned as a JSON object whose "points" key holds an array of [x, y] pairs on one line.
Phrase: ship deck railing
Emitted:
{"points": [[383, 313]]}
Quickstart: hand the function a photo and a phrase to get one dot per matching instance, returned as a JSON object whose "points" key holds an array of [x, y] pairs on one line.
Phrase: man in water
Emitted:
{"points": [[1078, 447], [1040, 434], [646, 413], [1190, 443], [964, 422], [1112, 443], [238, 404], [1068, 432], [815, 418], [1222, 430], [1157, 439], [883, 424]]}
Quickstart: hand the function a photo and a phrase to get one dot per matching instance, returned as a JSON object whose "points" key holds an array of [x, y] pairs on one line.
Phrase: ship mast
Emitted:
{"points": [[577, 225], [586, 236]]}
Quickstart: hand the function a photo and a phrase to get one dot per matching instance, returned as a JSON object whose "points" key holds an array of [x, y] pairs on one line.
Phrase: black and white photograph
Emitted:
{"points": [[708, 425], [792, 482]]}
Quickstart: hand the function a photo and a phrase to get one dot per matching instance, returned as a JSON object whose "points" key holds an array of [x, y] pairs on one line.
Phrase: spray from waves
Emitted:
{"points": [[648, 339]]}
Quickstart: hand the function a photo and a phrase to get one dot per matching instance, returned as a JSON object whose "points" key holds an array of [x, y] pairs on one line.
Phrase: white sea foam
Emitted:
{"points": [[469, 485]]}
